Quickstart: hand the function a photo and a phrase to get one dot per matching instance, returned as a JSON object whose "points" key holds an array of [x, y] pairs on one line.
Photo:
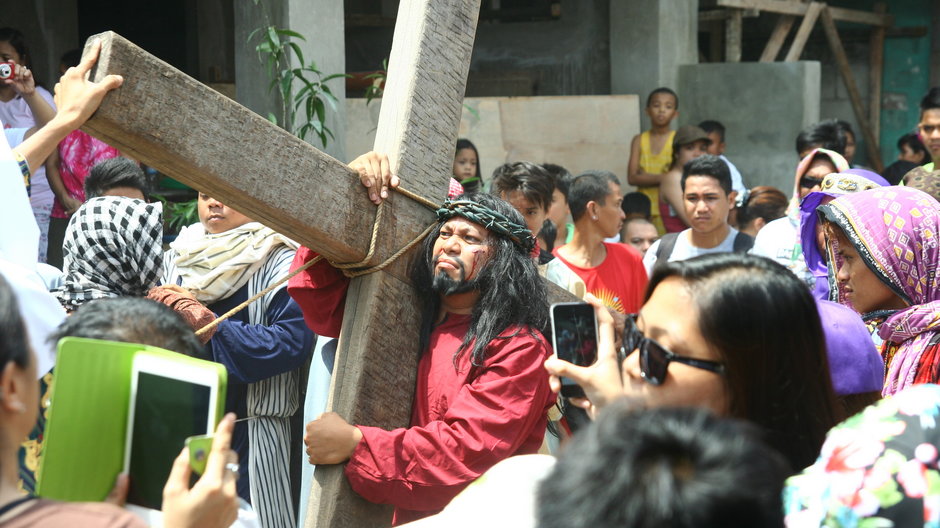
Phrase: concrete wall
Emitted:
{"points": [[566, 56], [579, 133], [649, 41], [906, 67], [762, 105]]}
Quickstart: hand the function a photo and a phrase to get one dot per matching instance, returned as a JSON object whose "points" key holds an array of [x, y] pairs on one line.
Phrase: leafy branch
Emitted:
{"points": [[309, 102]]}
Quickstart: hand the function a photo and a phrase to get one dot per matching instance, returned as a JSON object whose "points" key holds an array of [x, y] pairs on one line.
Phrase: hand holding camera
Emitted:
{"points": [[18, 76]]}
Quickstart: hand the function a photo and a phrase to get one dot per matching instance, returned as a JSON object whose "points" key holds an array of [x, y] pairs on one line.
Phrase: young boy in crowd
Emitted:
{"points": [[716, 133], [528, 188], [117, 177], [636, 205], [651, 151], [911, 149], [929, 126], [558, 212]]}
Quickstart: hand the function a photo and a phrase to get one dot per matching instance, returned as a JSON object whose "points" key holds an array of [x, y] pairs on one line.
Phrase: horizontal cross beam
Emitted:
{"points": [[190, 132]]}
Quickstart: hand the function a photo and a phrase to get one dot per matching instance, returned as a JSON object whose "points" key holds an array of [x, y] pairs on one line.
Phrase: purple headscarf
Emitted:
{"points": [[854, 363], [834, 185], [896, 231]]}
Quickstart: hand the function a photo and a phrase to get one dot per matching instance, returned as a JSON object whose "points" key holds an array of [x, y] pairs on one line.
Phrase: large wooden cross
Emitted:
{"points": [[199, 137]]}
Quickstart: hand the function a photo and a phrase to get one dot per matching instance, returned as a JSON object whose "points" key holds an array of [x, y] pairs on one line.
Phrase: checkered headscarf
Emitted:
{"points": [[113, 247]]}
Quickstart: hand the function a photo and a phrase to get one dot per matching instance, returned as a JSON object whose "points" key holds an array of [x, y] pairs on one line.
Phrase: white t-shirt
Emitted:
{"points": [[778, 241], [685, 250]]}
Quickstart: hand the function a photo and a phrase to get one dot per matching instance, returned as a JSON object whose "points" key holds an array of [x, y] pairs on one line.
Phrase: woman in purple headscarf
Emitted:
{"points": [[885, 249], [811, 241]]}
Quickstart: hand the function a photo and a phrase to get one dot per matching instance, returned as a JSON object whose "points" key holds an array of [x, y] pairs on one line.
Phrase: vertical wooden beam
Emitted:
{"points": [[835, 44], [802, 34], [377, 355], [777, 38], [876, 65], [733, 30], [716, 40]]}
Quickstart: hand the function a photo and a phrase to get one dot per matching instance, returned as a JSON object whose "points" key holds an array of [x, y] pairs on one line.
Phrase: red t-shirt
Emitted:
{"points": [[619, 281]]}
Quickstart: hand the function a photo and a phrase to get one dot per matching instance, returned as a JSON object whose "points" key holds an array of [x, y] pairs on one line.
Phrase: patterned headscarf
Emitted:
{"points": [[113, 247], [927, 181], [896, 232], [878, 468], [833, 185]]}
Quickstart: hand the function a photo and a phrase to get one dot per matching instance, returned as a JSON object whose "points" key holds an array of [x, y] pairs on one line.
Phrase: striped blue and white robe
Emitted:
{"points": [[264, 348]]}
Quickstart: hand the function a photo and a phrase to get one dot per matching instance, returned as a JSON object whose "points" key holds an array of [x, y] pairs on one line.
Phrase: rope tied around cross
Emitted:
{"points": [[477, 213]]}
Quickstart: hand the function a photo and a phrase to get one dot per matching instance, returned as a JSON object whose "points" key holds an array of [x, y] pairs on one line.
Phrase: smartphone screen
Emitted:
{"points": [[166, 412], [574, 336]]}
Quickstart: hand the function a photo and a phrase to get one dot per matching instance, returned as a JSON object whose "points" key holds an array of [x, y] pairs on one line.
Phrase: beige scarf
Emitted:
{"points": [[213, 267]]}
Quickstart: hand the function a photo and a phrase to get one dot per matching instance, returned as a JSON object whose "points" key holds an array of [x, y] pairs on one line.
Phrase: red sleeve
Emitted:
{"points": [[500, 414], [927, 366], [320, 291]]}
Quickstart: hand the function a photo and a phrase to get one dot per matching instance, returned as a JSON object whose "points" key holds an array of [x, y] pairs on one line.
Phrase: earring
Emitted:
{"points": [[594, 217]]}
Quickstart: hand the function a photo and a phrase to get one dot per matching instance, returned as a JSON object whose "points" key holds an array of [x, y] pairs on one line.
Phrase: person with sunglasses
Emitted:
{"points": [[780, 240], [717, 331]]}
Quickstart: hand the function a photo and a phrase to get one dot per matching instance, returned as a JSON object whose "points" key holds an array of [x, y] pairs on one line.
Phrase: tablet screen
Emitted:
{"points": [[166, 412]]}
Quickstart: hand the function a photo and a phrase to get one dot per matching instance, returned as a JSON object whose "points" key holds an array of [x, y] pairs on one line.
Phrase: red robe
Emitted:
{"points": [[464, 420]]}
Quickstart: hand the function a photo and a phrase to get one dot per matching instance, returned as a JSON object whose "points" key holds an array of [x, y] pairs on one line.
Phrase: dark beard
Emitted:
{"points": [[443, 284]]}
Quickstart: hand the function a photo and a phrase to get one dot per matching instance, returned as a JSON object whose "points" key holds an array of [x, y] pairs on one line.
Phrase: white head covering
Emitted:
{"points": [[19, 251]]}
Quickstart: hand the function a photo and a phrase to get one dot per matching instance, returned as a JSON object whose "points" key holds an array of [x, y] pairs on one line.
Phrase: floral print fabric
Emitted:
{"points": [[877, 469]]}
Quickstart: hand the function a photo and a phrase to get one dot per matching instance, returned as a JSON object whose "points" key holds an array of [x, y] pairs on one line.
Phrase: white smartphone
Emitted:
{"points": [[169, 402], [574, 338]]}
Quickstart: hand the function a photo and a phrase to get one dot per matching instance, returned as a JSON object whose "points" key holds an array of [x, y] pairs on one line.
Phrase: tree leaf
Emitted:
{"points": [[297, 52]]}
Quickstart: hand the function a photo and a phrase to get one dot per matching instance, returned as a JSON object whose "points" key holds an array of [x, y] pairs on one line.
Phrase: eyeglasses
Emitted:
{"points": [[807, 182], [655, 358]]}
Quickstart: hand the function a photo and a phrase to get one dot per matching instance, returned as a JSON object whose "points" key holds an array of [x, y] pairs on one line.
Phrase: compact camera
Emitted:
{"points": [[7, 70]]}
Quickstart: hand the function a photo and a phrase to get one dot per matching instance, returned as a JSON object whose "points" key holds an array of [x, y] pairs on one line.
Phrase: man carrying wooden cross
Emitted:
{"points": [[482, 393]]}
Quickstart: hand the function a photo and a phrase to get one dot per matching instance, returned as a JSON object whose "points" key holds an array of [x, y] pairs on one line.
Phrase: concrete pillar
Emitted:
{"points": [[649, 40], [322, 23], [772, 102]]}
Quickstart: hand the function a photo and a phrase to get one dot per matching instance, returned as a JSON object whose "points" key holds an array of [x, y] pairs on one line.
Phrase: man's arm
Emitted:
{"points": [[320, 290], [77, 98], [423, 468], [253, 352]]}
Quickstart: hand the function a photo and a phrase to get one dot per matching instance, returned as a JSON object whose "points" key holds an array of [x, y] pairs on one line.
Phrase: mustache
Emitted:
{"points": [[457, 261]]}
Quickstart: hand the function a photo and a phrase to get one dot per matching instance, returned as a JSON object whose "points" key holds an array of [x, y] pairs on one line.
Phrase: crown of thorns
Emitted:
{"points": [[490, 219]]}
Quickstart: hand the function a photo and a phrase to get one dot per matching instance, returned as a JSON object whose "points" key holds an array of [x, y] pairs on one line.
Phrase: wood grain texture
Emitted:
{"points": [[777, 38], [803, 33], [861, 115], [377, 356], [192, 133], [733, 29], [791, 7], [876, 66]]}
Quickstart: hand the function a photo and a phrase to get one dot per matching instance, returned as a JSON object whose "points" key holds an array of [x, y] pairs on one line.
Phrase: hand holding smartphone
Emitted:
{"points": [[574, 338]]}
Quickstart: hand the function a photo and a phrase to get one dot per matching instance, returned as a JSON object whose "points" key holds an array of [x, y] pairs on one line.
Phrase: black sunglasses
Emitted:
{"points": [[808, 182], [655, 358]]}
